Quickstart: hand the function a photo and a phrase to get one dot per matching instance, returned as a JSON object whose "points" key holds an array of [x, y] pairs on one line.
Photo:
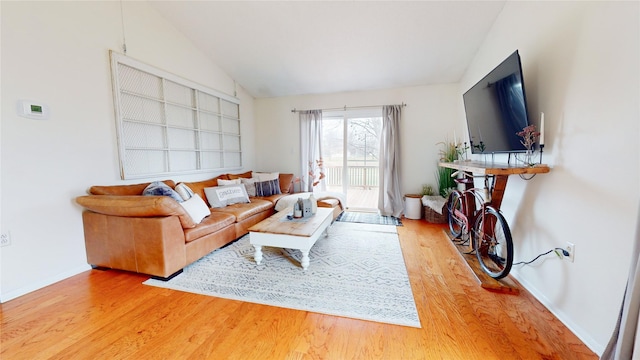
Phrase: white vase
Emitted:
{"points": [[314, 204]]}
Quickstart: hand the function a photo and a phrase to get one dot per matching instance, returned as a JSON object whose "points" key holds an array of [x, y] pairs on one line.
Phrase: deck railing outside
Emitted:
{"points": [[359, 176]]}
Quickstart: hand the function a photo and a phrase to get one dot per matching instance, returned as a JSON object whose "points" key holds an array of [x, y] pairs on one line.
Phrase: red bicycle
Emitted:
{"points": [[490, 235]]}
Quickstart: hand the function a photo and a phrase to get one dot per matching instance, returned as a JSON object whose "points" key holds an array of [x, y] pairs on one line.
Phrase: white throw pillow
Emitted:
{"points": [[266, 176], [184, 191], [221, 196], [222, 182], [196, 208]]}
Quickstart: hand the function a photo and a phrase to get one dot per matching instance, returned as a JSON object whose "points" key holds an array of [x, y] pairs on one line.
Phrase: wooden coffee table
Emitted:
{"points": [[277, 231]]}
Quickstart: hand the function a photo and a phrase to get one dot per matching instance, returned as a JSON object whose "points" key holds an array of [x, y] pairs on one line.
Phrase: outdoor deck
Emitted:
{"points": [[359, 198]]}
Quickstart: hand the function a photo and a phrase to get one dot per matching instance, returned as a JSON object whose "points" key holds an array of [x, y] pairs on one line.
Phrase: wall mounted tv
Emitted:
{"points": [[496, 109]]}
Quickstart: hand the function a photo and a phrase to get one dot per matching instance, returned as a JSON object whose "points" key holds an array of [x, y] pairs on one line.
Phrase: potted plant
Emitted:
{"points": [[448, 153]]}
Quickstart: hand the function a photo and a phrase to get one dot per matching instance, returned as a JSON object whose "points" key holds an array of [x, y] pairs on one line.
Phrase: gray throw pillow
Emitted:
{"points": [[221, 196], [250, 186], [158, 188]]}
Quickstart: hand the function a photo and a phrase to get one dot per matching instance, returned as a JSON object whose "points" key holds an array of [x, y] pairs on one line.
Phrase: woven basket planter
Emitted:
{"points": [[433, 216]]}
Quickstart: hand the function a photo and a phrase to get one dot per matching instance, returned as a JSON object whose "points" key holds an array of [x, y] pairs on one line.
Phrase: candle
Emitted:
{"points": [[480, 132], [541, 128], [455, 142]]}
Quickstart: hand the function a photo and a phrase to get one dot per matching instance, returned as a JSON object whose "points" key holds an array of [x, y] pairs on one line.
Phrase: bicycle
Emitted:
{"points": [[490, 235]]}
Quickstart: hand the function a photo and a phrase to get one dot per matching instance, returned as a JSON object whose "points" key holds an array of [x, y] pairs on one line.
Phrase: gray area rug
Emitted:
{"points": [[368, 218], [357, 271]]}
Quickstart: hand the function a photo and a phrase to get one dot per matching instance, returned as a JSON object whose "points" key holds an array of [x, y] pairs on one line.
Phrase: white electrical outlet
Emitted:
{"points": [[571, 249], [5, 239]]}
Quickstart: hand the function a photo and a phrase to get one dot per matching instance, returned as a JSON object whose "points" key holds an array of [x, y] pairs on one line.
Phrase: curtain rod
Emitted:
{"points": [[294, 110]]}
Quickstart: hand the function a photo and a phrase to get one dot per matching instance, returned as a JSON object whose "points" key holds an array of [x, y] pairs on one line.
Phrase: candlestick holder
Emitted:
{"points": [[541, 149]]}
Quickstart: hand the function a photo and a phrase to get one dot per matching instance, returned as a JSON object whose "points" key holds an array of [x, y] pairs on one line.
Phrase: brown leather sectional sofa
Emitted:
{"points": [[154, 235]]}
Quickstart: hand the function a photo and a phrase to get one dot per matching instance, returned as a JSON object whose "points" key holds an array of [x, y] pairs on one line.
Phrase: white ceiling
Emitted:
{"points": [[310, 47]]}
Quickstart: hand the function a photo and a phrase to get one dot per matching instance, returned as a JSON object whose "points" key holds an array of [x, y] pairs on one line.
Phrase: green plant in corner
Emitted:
{"points": [[448, 153]]}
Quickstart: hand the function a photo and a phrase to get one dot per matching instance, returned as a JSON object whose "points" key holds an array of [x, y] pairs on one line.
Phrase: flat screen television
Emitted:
{"points": [[496, 109]]}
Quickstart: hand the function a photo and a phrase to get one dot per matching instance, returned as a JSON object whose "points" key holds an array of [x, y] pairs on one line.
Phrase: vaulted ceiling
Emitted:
{"points": [[287, 48]]}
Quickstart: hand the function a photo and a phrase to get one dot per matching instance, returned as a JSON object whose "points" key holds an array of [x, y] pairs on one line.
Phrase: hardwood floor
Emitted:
{"points": [[111, 315]]}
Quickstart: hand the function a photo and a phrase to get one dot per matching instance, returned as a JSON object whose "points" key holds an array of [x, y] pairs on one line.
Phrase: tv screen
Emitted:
{"points": [[496, 109]]}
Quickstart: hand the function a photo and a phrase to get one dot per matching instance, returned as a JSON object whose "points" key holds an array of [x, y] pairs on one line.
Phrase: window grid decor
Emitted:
{"points": [[168, 125]]}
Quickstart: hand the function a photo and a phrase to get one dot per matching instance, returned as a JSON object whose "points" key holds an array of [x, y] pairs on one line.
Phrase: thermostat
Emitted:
{"points": [[33, 110]]}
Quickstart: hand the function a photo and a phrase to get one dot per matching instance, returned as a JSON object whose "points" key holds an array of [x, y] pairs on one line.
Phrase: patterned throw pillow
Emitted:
{"points": [[268, 188], [158, 188], [221, 196], [250, 185], [184, 191]]}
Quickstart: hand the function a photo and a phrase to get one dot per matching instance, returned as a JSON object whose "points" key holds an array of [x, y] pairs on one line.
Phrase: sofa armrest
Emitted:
{"points": [[136, 206]]}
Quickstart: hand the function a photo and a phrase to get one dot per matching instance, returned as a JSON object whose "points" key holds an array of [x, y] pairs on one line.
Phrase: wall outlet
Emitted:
{"points": [[5, 239], [571, 249]]}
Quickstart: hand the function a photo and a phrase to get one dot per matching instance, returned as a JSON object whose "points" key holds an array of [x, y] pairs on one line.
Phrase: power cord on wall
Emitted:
{"points": [[559, 251]]}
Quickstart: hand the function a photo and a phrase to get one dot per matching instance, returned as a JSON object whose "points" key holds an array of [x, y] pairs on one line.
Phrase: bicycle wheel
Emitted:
{"points": [[493, 243], [454, 207]]}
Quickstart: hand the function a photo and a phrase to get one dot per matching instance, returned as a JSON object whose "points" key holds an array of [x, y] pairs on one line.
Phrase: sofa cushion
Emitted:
{"points": [[245, 175], [286, 183], [221, 196], [245, 210], [196, 208], [268, 188], [158, 188], [211, 224], [198, 186], [134, 189], [273, 198]]}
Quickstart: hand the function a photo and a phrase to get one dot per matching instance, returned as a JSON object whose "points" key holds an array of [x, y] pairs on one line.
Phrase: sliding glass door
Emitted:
{"points": [[351, 146]]}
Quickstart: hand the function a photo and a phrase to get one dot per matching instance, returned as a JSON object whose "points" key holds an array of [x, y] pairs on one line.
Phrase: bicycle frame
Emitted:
{"points": [[484, 225], [468, 210]]}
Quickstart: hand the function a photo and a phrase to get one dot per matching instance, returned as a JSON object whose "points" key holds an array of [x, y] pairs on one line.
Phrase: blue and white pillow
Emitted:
{"points": [[158, 188], [268, 188]]}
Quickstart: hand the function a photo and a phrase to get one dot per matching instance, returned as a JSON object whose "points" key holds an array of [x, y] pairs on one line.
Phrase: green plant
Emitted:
{"points": [[427, 190], [448, 153]]}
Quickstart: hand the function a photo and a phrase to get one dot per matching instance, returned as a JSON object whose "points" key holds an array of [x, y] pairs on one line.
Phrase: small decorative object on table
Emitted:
{"points": [[529, 137], [303, 208]]}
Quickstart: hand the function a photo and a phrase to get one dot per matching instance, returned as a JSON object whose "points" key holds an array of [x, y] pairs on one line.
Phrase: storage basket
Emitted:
{"points": [[430, 214], [433, 217]]}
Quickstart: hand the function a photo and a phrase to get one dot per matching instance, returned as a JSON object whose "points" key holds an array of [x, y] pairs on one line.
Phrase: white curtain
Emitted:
{"points": [[311, 169], [622, 345], [390, 198]]}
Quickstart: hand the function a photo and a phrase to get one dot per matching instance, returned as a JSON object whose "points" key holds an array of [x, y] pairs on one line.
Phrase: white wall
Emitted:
{"points": [[428, 118], [58, 53], [580, 63]]}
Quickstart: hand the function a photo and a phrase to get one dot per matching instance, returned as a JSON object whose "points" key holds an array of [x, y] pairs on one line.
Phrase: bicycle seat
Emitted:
{"points": [[464, 180]]}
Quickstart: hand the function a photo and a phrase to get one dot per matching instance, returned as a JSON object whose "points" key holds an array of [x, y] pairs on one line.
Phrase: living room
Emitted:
{"points": [[580, 68]]}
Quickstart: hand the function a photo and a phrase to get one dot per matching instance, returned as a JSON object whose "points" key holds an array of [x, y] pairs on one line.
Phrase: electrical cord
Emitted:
{"points": [[564, 252]]}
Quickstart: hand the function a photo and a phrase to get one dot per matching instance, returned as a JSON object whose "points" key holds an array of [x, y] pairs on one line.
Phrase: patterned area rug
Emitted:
{"points": [[356, 271], [368, 218]]}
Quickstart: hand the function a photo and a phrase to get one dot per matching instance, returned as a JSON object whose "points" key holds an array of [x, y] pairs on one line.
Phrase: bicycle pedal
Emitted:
{"points": [[497, 259]]}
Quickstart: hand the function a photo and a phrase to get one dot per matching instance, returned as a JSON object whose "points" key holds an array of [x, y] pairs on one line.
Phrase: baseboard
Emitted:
{"points": [[41, 284], [589, 341]]}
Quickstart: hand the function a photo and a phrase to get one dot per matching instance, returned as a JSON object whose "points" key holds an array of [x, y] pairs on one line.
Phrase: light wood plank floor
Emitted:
{"points": [[111, 315]]}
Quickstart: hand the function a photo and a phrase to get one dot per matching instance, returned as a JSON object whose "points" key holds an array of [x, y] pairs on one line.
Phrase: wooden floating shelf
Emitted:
{"points": [[506, 285]]}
